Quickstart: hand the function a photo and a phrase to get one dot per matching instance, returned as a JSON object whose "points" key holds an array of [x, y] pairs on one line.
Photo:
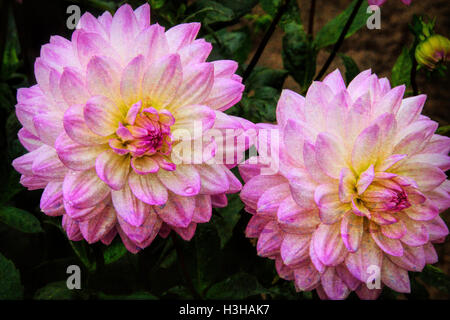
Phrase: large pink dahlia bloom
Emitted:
{"points": [[101, 126], [356, 202]]}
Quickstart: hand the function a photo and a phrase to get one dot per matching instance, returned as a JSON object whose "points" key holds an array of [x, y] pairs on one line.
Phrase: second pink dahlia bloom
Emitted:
{"points": [[100, 127], [359, 190]]}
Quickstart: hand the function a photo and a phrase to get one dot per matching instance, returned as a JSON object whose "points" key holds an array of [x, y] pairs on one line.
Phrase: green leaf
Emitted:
{"points": [[156, 4], [228, 218], [236, 287], [55, 291], [20, 220], [329, 34], [10, 286], [299, 55], [444, 130], [85, 253], [266, 77], [433, 276], [140, 295], [270, 6], [114, 251], [351, 68], [401, 73], [240, 7], [261, 105], [234, 45], [209, 12]]}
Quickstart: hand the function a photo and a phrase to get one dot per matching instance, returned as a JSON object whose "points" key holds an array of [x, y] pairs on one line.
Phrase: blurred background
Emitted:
{"points": [[34, 252]]}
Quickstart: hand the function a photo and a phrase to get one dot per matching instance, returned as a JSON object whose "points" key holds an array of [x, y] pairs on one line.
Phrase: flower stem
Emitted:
{"points": [[312, 12], [338, 44], [265, 40], [186, 275]]}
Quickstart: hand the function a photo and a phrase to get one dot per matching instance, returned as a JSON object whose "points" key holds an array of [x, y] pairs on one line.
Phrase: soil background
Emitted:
{"points": [[378, 50]]}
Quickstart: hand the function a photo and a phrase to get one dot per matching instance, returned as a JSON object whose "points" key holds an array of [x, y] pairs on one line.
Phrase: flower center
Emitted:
{"points": [[385, 196], [145, 133]]}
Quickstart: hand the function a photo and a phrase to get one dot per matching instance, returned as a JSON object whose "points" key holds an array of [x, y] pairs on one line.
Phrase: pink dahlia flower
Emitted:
{"points": [[101, 126], [380, 2], [356, 202]]}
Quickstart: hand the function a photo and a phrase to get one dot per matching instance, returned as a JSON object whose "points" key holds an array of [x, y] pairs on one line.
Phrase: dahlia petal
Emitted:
{"points": [[203, 209], [437, 228], [97, 227], [438, 144], [306, 277], [343, 273], [197, 82], [130, 81], [128, 207], [224, 68], [213, 179], [413, 259], [83, 189], [294, 219], [364, 293], [76, 156], [113, 169], [422, 212], [390, 246], [269, 241], [28, 140], [335, 81], [72, 87], [293, 140], [410, 109], [431, 256], [102, 77], [390, 102], [312, 166], [178, 211], [364, 151], [76, 127], [108, 238], [23, 164], [254, 188], [414, 137], [289, 106], [395, 277], [86, 213], [182, 35], [184, 181], [426, 176], [328, 244], [196, 52], [72, 229], [224, 94], [148, 189], [124, 28], [330, 156], [47, 165], [161, 81], [330, 207], [144, 165], [270, 200], [151, 43], [147, 230], [102, 116], [89, 23], [52, 200], [395, 230], [368, 254], [48, 127], [333, 285], [365, 179], [142, 14], [295, 248], [347, 182], [416, 232], [192, 121], [438, 160], [186, 233], [283, 270], [352, 229]]}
